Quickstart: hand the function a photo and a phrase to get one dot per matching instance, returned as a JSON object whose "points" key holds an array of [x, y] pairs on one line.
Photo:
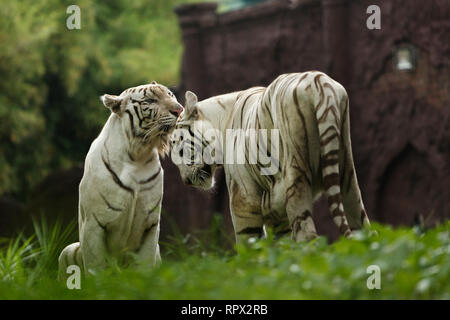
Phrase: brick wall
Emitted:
{"points": [[400, 120]]}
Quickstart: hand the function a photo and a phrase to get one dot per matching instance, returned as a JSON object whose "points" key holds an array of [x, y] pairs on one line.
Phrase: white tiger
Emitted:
{"points": [[311, 112], [121, 190]]}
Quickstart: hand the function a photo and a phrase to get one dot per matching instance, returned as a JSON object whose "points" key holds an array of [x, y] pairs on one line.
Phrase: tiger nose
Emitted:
{"points": [[176, 111]]}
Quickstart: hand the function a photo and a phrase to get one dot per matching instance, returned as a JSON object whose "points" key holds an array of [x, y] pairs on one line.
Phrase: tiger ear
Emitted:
{"points": [[191, 105], [153, 82], [114, 103]]}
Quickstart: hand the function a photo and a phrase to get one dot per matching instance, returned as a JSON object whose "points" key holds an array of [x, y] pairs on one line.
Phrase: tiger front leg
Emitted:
{"points": [[299, 209], [247, 225], [93, 244], [148, 253], [245, 207]]}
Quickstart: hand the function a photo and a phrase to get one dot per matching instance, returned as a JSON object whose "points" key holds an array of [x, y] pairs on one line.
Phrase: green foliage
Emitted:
{"points": [[12, 259], [25, 260], [52, 77], [51, 241], [179, 246], [414, 265]]}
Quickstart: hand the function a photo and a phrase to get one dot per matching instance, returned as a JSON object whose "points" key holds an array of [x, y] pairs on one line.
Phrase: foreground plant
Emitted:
{"points": [[413, 264]]}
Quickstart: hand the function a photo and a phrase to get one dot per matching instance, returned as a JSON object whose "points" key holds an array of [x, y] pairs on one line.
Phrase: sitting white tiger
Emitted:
{"points": [[121, 190], [311, 112]]}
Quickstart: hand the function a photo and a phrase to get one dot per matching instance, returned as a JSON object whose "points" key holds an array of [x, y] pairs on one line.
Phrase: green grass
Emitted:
{"points": [[414, 264]]}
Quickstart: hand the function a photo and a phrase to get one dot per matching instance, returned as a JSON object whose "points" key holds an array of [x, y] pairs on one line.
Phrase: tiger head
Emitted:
{"points": [[152, 110], [189, 143]]}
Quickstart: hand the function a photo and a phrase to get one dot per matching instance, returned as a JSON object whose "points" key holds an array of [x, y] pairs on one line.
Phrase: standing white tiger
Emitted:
{"points": [[121, 190], [311, 112]]}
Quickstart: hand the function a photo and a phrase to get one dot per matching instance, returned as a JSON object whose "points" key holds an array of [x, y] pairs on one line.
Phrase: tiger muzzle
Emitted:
{"points": [[176, 111]]}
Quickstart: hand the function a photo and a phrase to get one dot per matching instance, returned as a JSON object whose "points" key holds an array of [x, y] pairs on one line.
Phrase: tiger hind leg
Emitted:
{"points": [[354, 207], [71, 255], [332, 99], [353, 204], [299, 207], [351, 194]]}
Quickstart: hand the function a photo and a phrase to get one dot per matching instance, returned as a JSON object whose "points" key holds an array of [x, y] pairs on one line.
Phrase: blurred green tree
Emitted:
{"points": [[51, 77]]}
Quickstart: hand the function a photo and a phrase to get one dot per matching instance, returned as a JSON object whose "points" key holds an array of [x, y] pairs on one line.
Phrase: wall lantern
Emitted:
{"points": [[405, 58]]}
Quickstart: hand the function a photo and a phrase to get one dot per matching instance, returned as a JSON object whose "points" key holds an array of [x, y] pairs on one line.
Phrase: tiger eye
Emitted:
{"points": [[150, 100]]}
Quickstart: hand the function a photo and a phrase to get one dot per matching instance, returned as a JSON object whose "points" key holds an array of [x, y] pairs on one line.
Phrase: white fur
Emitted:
{"points": [[310, 110], [119, 212]]}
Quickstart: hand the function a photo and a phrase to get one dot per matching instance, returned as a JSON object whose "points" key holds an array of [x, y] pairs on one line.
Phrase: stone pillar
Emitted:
{"points": [[335, 37], [192, 19]]}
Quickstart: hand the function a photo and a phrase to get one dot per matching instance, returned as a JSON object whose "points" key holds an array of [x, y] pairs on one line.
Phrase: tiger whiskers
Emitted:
{"points": [[156, 134], [200, 176], [159, 126]]}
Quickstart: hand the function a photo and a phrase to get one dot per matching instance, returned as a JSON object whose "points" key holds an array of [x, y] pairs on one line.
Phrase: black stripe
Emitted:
{"points": [[303, 173], [318, 86], [336, 117], [337, 212], [75, 253], [305, 215], [131, 123], [331, 153], [243, 106], [221, 104], [98, 222], [198, 139], [115, 177], [136, 111], [155, 207], [344, 114], [327, 85], [280, 232], [296, 223], [344, 165], [155, 93], [329, 139], [337, 198], [281, 228], [329, 162], [147, 231], [151, 178], [332, 127], [350, 177], [130, 155], [252, 230], [316, 80], [108, 204], [268, 110], [330, 180], [324, 115], [302, 117], [205, 143], [106, 148], [191, 132]]}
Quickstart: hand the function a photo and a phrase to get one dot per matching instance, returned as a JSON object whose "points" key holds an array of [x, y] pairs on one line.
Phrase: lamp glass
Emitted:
{"points": [[404, 59]]}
